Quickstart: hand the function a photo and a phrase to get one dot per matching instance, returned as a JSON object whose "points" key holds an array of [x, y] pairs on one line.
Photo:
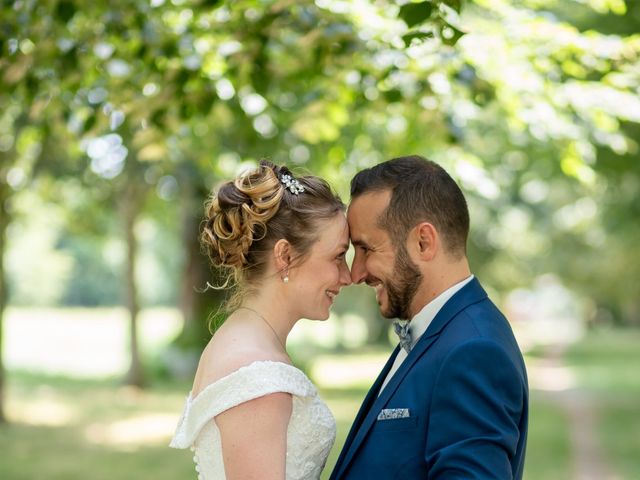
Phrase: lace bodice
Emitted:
{"points": [[311, 431]]}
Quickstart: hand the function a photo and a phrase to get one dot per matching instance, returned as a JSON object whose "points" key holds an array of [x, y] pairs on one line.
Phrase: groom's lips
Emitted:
{"points": [[377, 285], [379, 293]]}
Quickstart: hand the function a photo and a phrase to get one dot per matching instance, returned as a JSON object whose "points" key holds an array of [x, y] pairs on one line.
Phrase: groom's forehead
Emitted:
{"points": [[365, 210], [370, 203], [363, 216]]}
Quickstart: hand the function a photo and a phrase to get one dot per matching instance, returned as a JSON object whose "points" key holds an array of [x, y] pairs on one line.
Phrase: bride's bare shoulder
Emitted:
{"points": [[230, 349]]}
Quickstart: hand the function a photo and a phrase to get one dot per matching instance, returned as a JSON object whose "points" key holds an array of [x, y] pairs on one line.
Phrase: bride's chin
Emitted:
{"points": [[319, 316]]}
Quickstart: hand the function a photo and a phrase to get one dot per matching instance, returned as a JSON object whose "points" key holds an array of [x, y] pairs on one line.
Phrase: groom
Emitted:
{"points": [[452, 400]]}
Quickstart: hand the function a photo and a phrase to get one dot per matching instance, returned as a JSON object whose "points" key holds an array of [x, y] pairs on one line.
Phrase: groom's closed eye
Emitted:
{"points": [[360, 245]]}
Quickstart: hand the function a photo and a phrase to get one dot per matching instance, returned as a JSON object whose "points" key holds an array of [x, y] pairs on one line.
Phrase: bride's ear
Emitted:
{"points": [[282, 252]]}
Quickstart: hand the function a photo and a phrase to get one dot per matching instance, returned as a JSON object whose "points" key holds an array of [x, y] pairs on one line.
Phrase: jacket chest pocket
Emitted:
{"points": [[395, 424]]}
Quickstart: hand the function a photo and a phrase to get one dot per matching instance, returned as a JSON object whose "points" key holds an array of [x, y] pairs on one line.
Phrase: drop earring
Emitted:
{"points": [[286, 279]]}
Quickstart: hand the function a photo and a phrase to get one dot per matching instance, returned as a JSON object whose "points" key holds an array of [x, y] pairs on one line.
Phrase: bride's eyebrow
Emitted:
{"points": [[341, 248]]}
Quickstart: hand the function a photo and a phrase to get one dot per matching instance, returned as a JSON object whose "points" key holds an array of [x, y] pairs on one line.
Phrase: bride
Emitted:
{"points": [[251, 413]]}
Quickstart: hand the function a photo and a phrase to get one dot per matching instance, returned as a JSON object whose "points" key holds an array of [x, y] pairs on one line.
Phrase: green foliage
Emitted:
{"points": [[31, 277], [92, 282], [531, 105], [416, 13]]}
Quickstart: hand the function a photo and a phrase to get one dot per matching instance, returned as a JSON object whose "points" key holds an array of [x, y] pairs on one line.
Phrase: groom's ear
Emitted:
{"points": [[426, 240]]}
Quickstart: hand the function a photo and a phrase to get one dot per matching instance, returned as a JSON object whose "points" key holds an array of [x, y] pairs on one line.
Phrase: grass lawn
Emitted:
{"points": [[548, 448], [607, 366], [619, 429], [64, 427]]}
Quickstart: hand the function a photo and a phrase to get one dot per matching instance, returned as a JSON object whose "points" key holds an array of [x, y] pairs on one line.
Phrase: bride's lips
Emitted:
{"points": [[332, 294]]}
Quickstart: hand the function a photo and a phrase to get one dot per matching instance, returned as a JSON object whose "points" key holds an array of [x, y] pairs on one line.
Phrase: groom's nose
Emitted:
{"points": [[358, 268]]}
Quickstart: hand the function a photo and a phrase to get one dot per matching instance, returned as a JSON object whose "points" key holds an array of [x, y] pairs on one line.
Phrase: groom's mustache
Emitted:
{"points": [[372, 281]]}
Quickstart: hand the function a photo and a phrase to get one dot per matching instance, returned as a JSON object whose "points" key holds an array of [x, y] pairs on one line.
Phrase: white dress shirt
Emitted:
{"points": [[421, 321]]}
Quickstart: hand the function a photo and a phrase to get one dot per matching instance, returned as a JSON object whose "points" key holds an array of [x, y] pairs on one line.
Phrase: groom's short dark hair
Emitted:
{"points": [[421, 190]]}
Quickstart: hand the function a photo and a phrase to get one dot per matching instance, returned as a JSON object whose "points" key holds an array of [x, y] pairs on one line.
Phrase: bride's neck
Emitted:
{"points": [[274, 309]]}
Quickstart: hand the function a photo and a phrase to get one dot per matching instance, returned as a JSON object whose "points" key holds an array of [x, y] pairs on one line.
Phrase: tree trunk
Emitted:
{"points": [[4, 222], [192, 279], [130, 208], [199, 305]]}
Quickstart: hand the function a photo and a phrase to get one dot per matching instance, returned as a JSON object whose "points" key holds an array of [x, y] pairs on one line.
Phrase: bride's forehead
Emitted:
{"points": [[332, 234]]}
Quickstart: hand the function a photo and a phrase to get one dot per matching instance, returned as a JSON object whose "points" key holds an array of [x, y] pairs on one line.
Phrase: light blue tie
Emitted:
{"points": [[401, 327]]}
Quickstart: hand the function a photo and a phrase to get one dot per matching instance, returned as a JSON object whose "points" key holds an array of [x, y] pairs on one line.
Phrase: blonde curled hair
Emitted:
{"points": [[245, 217]]}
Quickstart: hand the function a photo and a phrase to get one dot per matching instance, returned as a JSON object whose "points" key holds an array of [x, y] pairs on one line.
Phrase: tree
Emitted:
{"points": [[534, 110], [69, 69]]}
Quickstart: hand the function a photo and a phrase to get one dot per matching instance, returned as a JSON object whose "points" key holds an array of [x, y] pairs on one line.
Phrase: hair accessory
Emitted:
{"points": [[292, 184]]}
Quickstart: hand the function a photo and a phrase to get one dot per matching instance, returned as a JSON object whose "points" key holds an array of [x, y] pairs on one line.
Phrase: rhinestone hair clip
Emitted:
{"points": [[292, 184]]}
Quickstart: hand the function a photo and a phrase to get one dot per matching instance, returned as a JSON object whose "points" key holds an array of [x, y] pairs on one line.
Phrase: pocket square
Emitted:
{"points": [[393, 413]]}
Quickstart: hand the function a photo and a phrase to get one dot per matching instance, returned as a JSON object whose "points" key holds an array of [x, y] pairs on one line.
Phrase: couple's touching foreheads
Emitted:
{"points": [[452, 400]]}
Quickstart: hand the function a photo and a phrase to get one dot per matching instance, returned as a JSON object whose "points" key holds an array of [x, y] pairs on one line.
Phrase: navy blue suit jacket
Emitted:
{"points": [[465, 386]]}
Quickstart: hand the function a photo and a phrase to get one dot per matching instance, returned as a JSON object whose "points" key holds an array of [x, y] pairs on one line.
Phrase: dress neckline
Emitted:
{"points": [[191, 399]]}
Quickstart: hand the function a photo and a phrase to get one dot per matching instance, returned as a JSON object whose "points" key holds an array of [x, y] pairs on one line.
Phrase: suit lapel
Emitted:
{"points": [[379, 402], [467, 295]]}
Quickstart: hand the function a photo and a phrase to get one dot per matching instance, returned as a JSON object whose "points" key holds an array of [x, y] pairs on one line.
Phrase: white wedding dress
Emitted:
{"points": [[311, 431]]}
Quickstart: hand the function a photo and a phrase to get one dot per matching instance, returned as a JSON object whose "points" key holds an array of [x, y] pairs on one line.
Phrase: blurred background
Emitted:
{"points": [[118, 117]]}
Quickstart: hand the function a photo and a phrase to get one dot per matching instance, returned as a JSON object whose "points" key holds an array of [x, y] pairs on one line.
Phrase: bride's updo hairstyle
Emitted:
{"points": [[245, 218]]}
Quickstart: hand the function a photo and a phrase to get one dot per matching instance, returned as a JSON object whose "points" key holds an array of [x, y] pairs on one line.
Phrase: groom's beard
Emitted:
{"points": [[401, 289]]}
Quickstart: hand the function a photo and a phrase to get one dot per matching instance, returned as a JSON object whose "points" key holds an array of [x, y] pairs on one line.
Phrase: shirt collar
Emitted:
{"points": [[421, 321]]}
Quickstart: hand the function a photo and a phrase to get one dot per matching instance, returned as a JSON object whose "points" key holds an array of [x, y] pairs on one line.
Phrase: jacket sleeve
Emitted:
{"points": [[477, 403]]}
